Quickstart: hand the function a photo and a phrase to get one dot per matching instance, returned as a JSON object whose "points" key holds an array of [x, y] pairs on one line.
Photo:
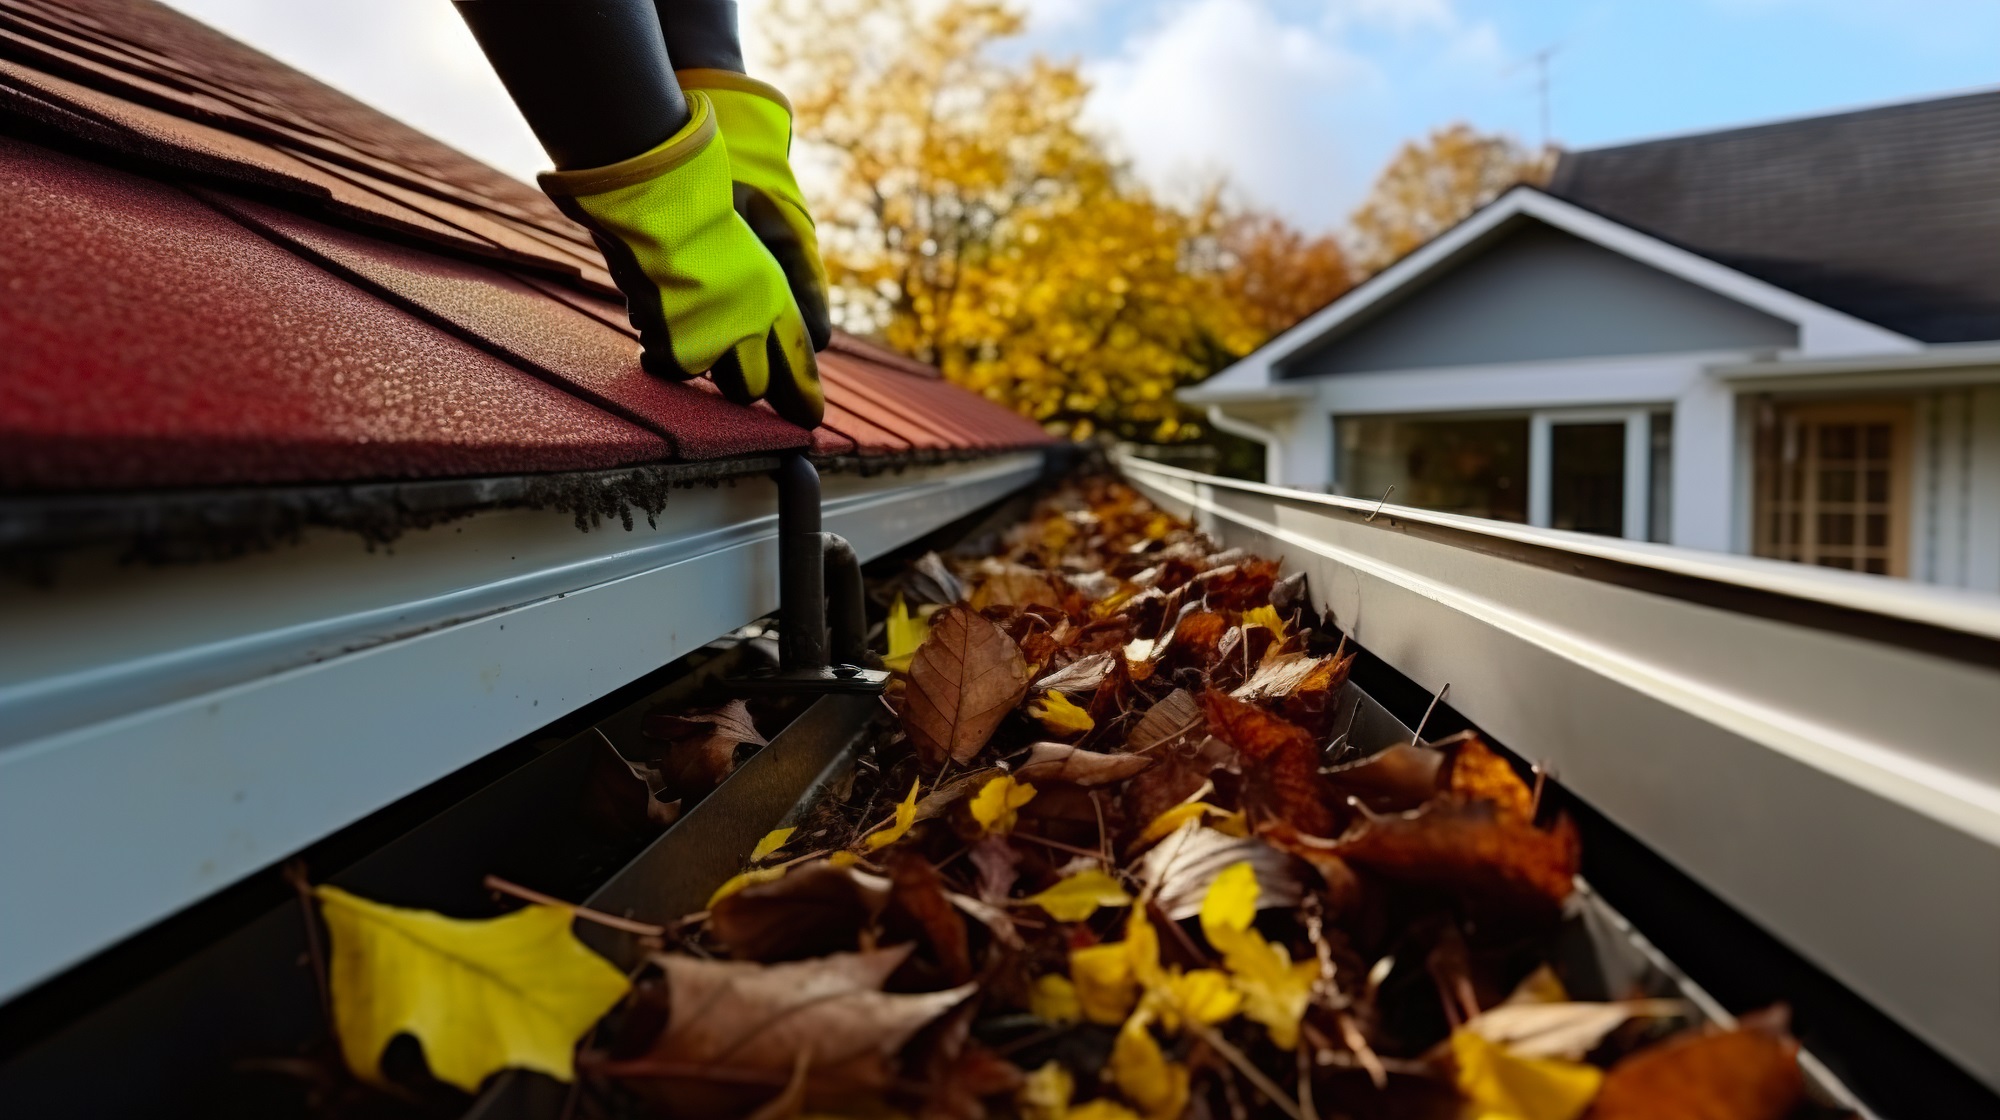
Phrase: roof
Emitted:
{"points": [[1890, 214], [220, 272]]}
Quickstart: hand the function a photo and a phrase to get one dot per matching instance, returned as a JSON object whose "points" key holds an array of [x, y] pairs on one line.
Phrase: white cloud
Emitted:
{"points": [[1400, 15], [413, 60]]}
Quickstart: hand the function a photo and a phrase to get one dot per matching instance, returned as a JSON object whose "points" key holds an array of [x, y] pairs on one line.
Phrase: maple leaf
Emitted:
{"points": [[1501, 1085], [998, 804], [963, 681], [1741, 1074], [1061, 762], [1275, 990], [905, 634], [906, 818], [1060, 715], [515, 991], [729, 1021], [1078, 896]]}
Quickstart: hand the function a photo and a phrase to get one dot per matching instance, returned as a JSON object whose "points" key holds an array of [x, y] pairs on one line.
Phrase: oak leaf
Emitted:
{"points": [[964, 680], [510, 992]]}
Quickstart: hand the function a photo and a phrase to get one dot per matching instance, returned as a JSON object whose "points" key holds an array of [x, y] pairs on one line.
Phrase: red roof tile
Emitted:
{"points": [[150, 340]]}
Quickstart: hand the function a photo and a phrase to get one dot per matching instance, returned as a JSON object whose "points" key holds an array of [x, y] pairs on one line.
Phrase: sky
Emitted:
{"points": [[1299, 103]]}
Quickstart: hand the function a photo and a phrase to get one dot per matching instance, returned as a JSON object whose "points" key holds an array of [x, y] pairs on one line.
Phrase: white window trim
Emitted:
{"points": [[1638, 463]]}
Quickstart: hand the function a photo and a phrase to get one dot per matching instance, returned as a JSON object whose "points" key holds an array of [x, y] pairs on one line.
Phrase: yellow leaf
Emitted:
{"points": [[1060, 715], [1102, 978], [905, 633], [906, 816], [1142, 948], [743, 879], [1144, 1075], [1053, 998], [1078, 897], [1503, 1086], [1044, 1094], [1204, 995], [1101, 1109], [481, 996], [1173, 818], [1232, 824], [843, 859], [998, 802], [1275, 990], [772, 841], [1267, 617]]}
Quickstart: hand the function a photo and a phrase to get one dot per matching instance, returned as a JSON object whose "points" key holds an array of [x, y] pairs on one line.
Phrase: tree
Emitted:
{"points": [[1431, 186], [1277, 275]]}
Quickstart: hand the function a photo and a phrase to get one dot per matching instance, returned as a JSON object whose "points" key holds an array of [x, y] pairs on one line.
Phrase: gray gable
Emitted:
{"points": [[1533, 293], [1891, 214]]}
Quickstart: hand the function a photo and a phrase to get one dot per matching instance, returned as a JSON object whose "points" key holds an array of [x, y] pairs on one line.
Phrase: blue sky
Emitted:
{"points": [[1298, 102]]}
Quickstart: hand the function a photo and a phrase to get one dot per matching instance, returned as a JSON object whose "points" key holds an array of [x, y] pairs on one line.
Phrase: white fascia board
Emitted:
{"points": [[1821, 328], [113, 823], [1976, 357], [1242, 390], [1799, 772], [1653, 379]]}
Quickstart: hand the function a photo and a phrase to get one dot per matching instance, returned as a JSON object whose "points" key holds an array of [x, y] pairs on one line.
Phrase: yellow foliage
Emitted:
{"points": [[1267, 617], [1060, 715], [1430, 186], [1204, 995], [1053, 998], [1170, 821], [1275, 990], [998, 803], [772, 842], [743, 879], [1503, 1086], [1144, 1075], [906, 816], [481, 996], [1044, 1094], [1078, 896], [906, 632], [1101, 1109], [1105, 987]]}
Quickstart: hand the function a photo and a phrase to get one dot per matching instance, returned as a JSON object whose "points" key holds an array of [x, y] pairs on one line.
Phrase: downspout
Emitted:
{"points": [[1243, 429]]}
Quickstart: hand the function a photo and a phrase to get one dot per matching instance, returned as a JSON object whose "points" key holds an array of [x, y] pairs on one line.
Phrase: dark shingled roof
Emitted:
{"points": [[1889, 214]]}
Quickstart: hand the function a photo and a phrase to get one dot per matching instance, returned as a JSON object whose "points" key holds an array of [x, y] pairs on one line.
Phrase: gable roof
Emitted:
{"points": [[1821, 329], [1890, 214], [222, 272]]}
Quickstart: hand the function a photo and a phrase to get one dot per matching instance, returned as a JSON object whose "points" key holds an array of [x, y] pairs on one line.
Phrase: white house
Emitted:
{"points": [[1781, 340]]}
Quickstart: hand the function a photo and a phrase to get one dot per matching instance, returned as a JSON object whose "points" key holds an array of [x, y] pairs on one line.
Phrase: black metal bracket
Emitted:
{"points": [[819, 579]]}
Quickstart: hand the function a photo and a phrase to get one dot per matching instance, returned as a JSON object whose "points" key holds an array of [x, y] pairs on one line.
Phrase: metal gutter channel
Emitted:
{"points": [[229, 753], [1814, 748]]}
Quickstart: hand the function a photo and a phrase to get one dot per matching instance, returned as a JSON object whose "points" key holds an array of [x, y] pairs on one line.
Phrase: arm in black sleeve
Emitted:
{"points": [[701, 34], [592, 77]]}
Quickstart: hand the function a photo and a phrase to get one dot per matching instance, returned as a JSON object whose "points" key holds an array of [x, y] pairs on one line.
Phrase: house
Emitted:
{"points": [[1781, 340], [300, 414]]}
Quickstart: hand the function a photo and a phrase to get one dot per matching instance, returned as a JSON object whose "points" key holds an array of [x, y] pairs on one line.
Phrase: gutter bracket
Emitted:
{"points": [[818, 575]]}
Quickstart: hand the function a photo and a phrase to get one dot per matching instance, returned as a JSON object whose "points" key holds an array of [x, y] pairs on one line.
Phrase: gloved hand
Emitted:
{"points": [[706, 295], [756, 121]]}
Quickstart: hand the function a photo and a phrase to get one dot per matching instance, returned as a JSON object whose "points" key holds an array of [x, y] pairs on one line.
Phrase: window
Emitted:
{"points": [[1471, 466], [1832, 485], [1587, 477]]}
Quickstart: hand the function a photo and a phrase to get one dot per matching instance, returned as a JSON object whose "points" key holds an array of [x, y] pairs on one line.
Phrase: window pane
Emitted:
{"points": [[1477, 467], [1660, 511], [1587, 478]]}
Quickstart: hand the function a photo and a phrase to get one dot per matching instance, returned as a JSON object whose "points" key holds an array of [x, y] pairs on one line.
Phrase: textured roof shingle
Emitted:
{"points": [[1889, 214]]}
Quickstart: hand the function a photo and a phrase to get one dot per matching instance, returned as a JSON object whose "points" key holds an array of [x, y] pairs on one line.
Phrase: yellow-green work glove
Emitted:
{"points": [[756, 121], [704, 292]]}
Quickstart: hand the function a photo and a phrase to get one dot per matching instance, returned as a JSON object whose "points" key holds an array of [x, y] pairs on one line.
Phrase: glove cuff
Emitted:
{"points": [[693, 79], [676, 150]]}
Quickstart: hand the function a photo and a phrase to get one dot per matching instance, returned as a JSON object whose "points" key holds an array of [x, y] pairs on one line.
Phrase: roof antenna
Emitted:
{"points": [[1540, 61]]}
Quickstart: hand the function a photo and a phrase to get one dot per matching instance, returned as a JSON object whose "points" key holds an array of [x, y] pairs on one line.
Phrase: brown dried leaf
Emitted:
{"points": [[1734, 1075], [1474, 771], [964, 680], [1470, 850], [1313, 703], [815, 910], [736, 1021], [931, 582], [1173, 717], [1182, 867], [918, 897], [1279, 677], [999, 865], [1079, 676], [1061, 762], [701, 745], [1281, 778], [1393, 780], [1196, 640], [939, 801], [1000, 584]]}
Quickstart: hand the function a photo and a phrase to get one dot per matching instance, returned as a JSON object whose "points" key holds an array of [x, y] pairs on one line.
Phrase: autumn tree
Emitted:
{"points": [[1431, 186], [1277, 275]]}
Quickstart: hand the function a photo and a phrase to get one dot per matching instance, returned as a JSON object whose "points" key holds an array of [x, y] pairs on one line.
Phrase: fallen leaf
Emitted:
{"points": [[729, 1021], [1143, 1074], [963, 681], [998, 864], [516, 991], [1106, 988], [1395, 779], [1062, 717], [905, 634], [1079, 676], [931, 582], [1173, 718], [773, 841], [1503, 1086], [1052, 998], [1061, 762], [814, 910], [1281, 772], [1730, 1075], [1563, 1030], [1470, 850], [1078, 896], [701, 745], [997, 804], [919, 895], [1045, 1093], [1204, 995], [906, 818], [1001, 584], [1275, 990], [1180, 869], [1101, 1109], [1178, 817], [742, 879], [941, 799], [1267, 617], [1278, 677], [1195, 640], [1476, 773]]}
